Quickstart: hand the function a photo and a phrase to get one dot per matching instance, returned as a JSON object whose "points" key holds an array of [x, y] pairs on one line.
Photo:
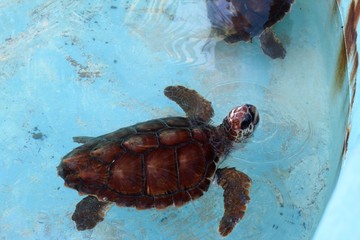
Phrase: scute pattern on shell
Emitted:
{"points": [[151, 164]]}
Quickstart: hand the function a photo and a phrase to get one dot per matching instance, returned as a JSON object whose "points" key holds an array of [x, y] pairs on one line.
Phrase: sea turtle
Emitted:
{"points": [[162, 162], [241, 20]]}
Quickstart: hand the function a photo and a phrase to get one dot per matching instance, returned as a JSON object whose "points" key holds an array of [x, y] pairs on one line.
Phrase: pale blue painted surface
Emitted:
{"points": [[341, 218], [86, 68]]}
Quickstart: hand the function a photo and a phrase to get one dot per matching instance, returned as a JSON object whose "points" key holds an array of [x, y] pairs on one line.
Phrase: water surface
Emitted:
{"points": [[71, 68]]}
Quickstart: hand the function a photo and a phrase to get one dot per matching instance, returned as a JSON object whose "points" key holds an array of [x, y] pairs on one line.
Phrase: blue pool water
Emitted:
{"points": [[73, 68]]}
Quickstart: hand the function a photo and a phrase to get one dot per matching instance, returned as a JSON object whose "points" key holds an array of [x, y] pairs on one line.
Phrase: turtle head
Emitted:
{"points": [[241, 122]]}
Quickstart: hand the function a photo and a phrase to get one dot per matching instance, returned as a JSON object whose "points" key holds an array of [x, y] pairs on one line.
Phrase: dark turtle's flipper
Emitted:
{"points": [[82, 139], [89, 212], [233, 38], [236, 187], [210, 42], [238, 36], [271, 45], [193, 104]]}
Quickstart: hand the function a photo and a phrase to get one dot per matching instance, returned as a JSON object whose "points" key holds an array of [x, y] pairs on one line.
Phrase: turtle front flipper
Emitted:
{"points": [[236, 187], [271, 45], [194, 105], [89, 212]]}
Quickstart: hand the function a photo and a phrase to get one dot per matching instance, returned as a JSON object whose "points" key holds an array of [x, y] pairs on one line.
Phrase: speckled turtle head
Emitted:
{"points": [[240, 123]]}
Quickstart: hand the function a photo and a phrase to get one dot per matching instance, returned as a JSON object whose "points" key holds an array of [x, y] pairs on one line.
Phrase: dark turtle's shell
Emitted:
{"points": [[151, 164], [247, 18]]}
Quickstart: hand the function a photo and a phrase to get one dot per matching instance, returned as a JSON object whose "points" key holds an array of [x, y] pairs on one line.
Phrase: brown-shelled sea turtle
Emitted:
{"points": [[241, 20], [162, 162]]}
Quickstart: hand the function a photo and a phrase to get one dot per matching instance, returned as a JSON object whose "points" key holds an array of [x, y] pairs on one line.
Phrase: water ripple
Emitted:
{"points": [[284, 129], [170, 27]]}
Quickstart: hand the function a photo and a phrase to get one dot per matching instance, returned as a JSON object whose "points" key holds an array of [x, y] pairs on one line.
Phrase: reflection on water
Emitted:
{"points": [[73, 68], [169, 26]]}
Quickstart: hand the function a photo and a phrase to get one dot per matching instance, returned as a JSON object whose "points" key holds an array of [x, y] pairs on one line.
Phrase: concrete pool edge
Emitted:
{"points": [[341, 211]]}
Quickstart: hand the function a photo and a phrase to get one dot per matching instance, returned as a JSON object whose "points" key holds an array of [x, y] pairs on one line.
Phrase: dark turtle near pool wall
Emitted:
{"points": [[241, 20], [162, 162]]}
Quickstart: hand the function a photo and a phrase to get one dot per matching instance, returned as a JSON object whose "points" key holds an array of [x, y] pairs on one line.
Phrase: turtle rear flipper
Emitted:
{"points": [[89, 212], [210, 43], [194, 105], [271, 45], [233, 38], [236, 195]]}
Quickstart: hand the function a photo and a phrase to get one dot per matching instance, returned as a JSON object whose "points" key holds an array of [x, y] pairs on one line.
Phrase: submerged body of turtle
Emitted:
{"points": [[241, 20]]}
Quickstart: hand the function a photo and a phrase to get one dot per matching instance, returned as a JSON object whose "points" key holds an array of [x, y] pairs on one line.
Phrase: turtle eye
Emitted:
{"points": [[245, 123]]}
